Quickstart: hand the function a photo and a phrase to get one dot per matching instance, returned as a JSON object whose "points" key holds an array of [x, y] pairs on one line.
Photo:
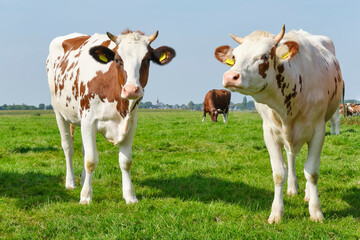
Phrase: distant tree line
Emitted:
{"points": [[25, 107], [244, 106]]}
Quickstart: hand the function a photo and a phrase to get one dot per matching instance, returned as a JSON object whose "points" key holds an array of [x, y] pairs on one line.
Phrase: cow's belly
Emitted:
{"points": [[292, 134], [69, 111], [117, 131]]}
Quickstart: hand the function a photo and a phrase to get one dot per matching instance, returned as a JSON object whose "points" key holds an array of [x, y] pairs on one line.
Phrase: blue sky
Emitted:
{"points": [[193, 28]]}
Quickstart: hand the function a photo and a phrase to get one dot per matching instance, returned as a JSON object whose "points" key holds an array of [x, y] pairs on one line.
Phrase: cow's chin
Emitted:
{"points": [[239, 89], [132, 97]]}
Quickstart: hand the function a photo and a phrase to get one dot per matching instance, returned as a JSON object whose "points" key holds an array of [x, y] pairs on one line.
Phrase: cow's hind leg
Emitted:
{"points": [[335, 122], [311, 171], [91, 159], [279, 175], [68, 147], [225, 116]]}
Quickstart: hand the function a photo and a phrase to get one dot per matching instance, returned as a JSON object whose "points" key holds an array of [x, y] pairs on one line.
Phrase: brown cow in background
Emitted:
{"points": [[217, 101]]}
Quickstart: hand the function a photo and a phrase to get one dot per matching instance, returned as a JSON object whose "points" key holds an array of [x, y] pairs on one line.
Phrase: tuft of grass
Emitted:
{"points": [[193, 180]]}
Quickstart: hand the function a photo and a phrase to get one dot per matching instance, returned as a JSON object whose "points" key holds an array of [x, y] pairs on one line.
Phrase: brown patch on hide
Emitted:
{"points": [[74, 43], [263, 67], [106, 43], [106, 86], [288, 98], [75, 86]]}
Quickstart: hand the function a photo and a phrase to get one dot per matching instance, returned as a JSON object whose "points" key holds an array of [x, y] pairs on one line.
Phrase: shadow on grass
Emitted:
{"points": [[209, 189], [342, 132], [34, 149], [32, 189], [352, 197]]}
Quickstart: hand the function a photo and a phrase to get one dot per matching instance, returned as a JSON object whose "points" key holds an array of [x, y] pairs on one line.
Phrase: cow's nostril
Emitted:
{"points": [[236, 77]]}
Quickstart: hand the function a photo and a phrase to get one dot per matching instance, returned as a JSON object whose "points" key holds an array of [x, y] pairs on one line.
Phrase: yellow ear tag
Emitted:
{"points": [[162, 57], [103, 58], [286, 55], [230, 62]]}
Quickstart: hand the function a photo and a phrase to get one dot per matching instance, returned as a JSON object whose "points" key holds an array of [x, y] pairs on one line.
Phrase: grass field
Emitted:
{"points": [[193, 180]]}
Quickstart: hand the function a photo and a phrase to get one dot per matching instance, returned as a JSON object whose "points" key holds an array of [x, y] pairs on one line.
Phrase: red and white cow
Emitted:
{"points": [[288, 76], [217, 101], [351, 109], [97, 82]]}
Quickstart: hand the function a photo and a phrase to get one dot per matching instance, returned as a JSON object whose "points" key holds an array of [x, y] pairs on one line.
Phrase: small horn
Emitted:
{"points": [[153, 37], [113, 38], [237, 39], [280, 35]]}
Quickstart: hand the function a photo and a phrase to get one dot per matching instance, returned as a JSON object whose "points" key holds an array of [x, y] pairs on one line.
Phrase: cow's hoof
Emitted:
{"points": [[85, 201], [131, 200], [316, 216], [292, 192], [274, 218], [70, 185]]}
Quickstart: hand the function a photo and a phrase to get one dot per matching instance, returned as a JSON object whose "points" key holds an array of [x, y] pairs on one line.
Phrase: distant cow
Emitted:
{"points": [[97, 82], [297, 85], [351, 109], [217, 101]]}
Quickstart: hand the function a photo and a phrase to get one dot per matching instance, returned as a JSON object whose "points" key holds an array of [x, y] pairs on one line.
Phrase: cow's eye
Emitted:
{"points": [[265, 57], [118, 62]]}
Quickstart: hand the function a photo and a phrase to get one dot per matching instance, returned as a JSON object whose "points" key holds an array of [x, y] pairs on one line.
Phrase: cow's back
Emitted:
{"points": [[321, 80], [219, 99]]}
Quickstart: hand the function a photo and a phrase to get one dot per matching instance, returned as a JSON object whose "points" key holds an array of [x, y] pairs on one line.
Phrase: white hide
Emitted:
{"points": [[303, 119], [102, 116]]}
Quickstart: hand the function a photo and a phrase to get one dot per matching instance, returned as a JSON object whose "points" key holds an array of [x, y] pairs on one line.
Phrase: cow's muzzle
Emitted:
{"points": [[132, 92], [231, 79]]}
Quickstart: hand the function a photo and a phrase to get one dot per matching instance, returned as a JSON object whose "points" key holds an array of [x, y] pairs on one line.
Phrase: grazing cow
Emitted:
{"points": [[288, 77], [97, 82], [217, 101]]}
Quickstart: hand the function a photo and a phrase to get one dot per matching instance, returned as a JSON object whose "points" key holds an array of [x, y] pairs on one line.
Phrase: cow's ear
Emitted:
{"points": [[287, 50], [224, 55], [102, 54], [163, 55]]}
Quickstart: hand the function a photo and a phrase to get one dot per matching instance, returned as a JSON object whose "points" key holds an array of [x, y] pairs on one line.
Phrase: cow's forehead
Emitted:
{"points": [[133, 46], [255, 47]]}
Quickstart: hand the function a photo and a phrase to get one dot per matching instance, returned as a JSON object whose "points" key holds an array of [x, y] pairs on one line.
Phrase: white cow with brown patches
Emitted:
{"points": [[97, 82], [297, 85]]}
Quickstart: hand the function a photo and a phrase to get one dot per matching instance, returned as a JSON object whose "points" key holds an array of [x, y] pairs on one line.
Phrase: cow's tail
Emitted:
{"points": [[343, 101]]}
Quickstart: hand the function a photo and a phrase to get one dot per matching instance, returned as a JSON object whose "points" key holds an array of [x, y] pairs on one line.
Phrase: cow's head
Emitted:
{"points": [[132, 57], [214, 114], [254, 62]]}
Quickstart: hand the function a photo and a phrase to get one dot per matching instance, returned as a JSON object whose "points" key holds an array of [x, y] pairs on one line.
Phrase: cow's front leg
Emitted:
{"points": [[125, 161], [68, 146], [279, 175], [91, 159], [311, 171]]}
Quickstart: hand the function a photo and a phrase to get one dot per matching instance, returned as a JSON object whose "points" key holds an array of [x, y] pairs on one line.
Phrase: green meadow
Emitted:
{"points": [[193, 180]]}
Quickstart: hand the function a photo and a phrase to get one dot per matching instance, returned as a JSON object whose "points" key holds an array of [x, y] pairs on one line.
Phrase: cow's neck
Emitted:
{"points": [[281, 96]]}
